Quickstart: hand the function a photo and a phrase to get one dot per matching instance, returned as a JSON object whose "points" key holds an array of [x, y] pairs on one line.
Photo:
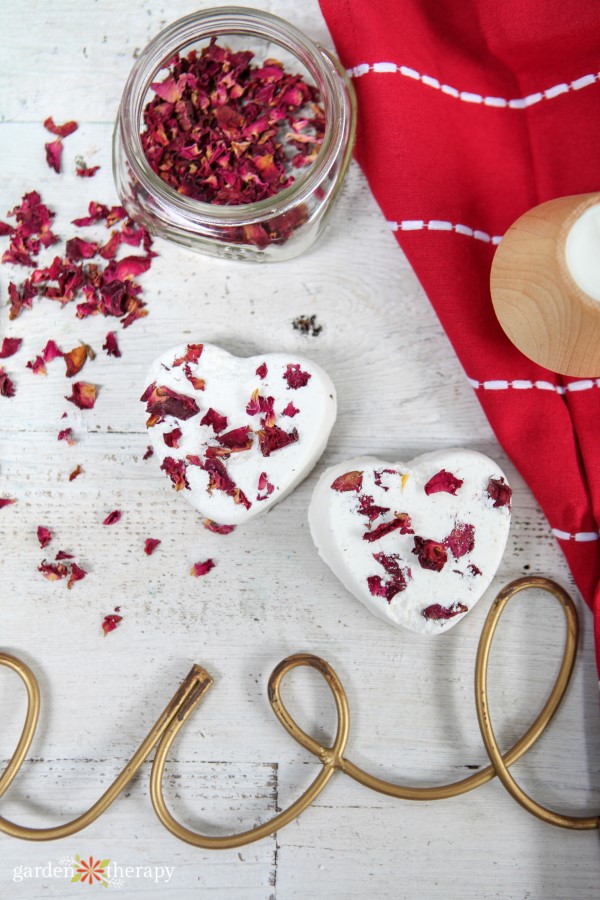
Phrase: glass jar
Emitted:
{"points": [[276, 228]]}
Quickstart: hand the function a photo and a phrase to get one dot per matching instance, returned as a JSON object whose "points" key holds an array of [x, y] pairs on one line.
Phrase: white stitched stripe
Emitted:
{"points": [[580, 537], [550, 93], [442, 225], [585, 384]]}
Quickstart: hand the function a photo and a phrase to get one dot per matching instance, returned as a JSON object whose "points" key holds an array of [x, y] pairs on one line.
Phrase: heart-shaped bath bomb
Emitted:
{"points": [[419, 543], [236, 435]]}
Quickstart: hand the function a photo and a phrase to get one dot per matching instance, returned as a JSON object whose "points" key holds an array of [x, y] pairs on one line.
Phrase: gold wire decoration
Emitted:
{"points": [[332, 759]]}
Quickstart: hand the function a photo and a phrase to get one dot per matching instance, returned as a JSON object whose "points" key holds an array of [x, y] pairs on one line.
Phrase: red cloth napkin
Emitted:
{"points": [[469, 114]]}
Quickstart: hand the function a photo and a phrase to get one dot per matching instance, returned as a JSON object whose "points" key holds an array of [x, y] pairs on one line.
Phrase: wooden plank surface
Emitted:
{"points": [[401, 392]]}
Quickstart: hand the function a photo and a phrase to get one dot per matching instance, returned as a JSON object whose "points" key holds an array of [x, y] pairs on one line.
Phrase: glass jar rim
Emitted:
{"points": [[220, 21]]}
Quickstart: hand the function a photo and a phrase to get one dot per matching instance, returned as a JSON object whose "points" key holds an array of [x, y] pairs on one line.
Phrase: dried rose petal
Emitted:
{"points": [[197, 383], [443, 481], [97, 212], [349, 481], [6, 501], [109, 249], [295, 377], [162, 401], [431, 554], [172, 438], [86, 171], [175, 469], [75, 473], [192, 354], [438, 612], [264, 485], [76, 359], [5, 229], [37, 366], [262, 370], [67, 435], [290, 410], [499, 492], [473, 570], [113, 517], [83, 395], [54, 153], [60, 130], [44, 536], [10, 347], [149, 452], [237, 440], [216, 528], [219, 479], [150, 545], [401, 522], [77, 249], [62, 555], [274, 438], [461, 540], [110, 344], [378, 474], [110, 623], [53, 571], [203, 568], [7, 387], [51, 352], [258, 404], [368, 507], [131, 267], [76, 575], [215, 420]]}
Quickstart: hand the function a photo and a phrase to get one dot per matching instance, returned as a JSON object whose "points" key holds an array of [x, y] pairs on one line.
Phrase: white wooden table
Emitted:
{"points": [[401, 392]]}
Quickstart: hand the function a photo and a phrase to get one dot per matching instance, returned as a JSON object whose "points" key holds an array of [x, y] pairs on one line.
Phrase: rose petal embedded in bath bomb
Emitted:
{"points": [[237, 452], [419, 559]]}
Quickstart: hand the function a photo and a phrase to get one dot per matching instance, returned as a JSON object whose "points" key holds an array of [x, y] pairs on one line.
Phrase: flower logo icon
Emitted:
{"points": [[91, 871]]}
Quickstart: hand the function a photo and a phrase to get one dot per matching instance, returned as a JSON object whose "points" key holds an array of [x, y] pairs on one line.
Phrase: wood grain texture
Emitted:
{"points": [[539, 306], [401, 392]]}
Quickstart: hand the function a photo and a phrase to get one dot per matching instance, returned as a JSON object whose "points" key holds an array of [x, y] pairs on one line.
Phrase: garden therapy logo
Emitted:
{"points": [[89, 871]]}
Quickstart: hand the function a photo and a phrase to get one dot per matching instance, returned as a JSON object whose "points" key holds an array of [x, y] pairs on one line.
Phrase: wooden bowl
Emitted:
{"points": [[540, 307]]}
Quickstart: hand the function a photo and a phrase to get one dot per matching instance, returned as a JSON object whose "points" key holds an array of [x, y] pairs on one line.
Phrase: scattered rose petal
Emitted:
{"points": [[77, 249], [5, 229], [438, 612], [216, 528], [113, 517], [262, 370], [367, 507], [150, 545], [62, 555], [295, 377], [67, 435], [53, 571], [76, 359], [110, 622], [401, 522], [37, 366], [349, 481], [75, 473], [461, 540], [275, 438], [110, 344], [197, 383], [131, 267], [290, 410], [60, 130], [6, 501], [172, 438], [431, 554], [192, 354], [237, 440], [203, 568], [149, 452], [473, 570], [162, 401], [175, 469], [44, 536], [51, 352], [86, 171], [10, 347], [7, 387], [443, 481], [54, 153], [499, 492], [76, 575], [84, 395], [215, 420]]}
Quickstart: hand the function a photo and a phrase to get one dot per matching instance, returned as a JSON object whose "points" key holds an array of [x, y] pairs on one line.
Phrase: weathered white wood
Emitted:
{"points": [[401, 391]]}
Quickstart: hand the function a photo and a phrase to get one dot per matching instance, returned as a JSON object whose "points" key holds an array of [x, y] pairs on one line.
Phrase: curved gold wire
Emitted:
{"points": [[580, 823], [178, 710]]}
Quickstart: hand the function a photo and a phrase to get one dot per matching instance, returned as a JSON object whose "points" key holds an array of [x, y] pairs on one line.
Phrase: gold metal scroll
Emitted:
{"points": [[332, 759]]}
